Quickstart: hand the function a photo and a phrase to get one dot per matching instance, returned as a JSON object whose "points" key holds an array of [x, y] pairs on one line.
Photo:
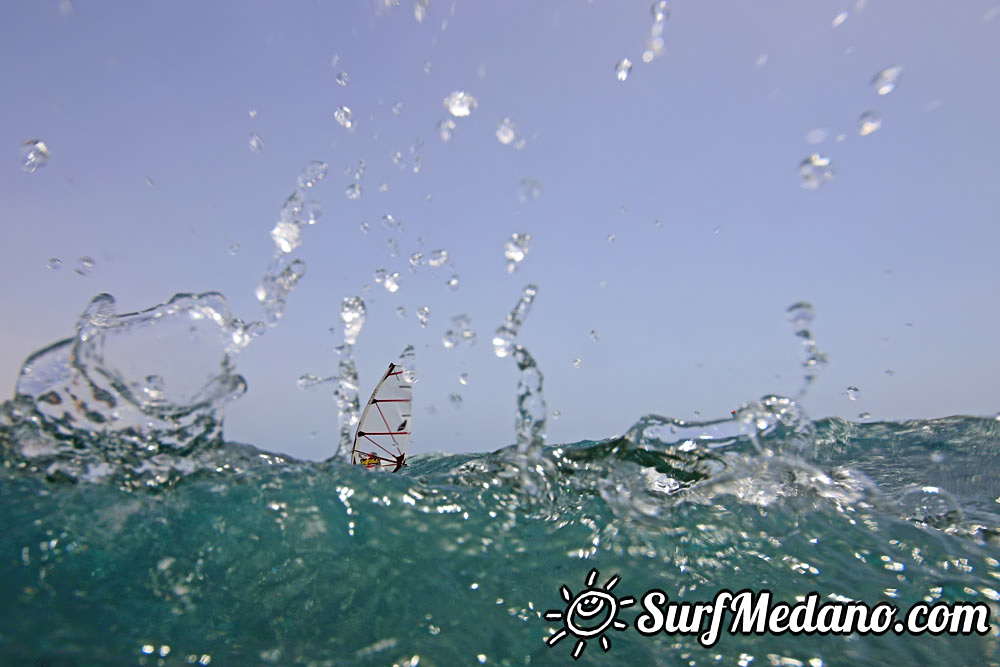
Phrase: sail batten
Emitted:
{"points": [[384, 433]]}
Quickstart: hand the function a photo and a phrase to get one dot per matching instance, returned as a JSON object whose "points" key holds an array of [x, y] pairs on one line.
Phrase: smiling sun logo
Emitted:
{"points": [[588, 614]]}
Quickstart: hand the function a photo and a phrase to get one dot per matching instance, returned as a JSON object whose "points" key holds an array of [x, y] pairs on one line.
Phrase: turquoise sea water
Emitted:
{"points": [[220, 554]]}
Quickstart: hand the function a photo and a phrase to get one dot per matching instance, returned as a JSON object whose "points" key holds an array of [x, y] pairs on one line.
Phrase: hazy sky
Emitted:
{"points": [[146, 109]]}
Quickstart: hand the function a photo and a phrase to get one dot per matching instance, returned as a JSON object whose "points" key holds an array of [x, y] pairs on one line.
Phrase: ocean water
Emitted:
{"points": [[118, 550]]}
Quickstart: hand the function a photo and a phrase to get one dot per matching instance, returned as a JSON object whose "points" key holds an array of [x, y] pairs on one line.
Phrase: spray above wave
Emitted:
{"points": [[139, 397]]}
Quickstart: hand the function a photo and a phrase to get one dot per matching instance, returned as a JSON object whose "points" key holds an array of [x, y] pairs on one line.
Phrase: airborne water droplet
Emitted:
{"points": [[353, 191], [392, 282], [449, 339], [885, 81], [85, 266], [852, 392], [34, 154], [234, 248], [343, 79], [659, 11], [578, 362], [556, 414], [529, 189], [506, 131], [623, 69], [343, 116], [516, 249], [55, 264], [869, 122], [453, 282], [456, 400], [839, 19], [416, 260], [460, 104], [423, 315], [463, 378], [352, 313], [438, 258], [594, 335], [364, 227], [256, 143], [445, 128], [815, 170]]}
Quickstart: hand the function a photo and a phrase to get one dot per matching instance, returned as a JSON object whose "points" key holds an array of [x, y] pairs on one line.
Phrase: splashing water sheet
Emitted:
{"points": [[140, 530]]}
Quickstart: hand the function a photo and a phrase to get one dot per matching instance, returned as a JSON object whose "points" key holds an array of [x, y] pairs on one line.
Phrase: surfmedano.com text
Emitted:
{"points": [[754, 613]]}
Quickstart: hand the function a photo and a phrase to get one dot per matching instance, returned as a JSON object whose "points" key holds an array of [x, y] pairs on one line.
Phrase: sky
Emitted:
{"points": [[670, 229]]}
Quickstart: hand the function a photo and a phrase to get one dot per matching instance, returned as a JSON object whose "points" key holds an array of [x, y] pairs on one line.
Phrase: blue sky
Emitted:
{"points": [[145, 108]]}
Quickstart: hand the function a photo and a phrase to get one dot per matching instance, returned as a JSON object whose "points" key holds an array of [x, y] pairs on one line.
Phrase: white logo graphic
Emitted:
{"points": [[592, 611]]}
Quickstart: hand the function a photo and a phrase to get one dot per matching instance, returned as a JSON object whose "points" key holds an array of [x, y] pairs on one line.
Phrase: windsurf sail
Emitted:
{"points": [[384, 430]]}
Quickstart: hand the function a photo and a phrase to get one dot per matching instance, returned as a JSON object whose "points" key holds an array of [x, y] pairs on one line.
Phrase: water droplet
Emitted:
{"points": [[578, 362], [383, 188], [234, 248], [55, 264], [287, 236], [343, 79], [379, 276], [839, 19], [611, 238], [468, 336], [343, 116], [149, 181], [456, 400], [353, 191], [423, 315], [401, 311], [865, 415], [463, 379], [659, 10], [815, 170], [427, 67], [392, 283], [393, 247], [453, 282], [352, 313], [506, 131], [253, 114], [313, 173], [885, 81], [516, 249], [335, 61], [85, 265], [852, 393], [420, 10], [449, 339], [869, 122], [594, 335], [364, 227], [623, 69], [460, 104], [816, 136], [529, 189], [416, 260], [312, 212], [438, 258], [556, 414], [889, 372], [256, 143], [34, 155], [390, 222], [308, 381]]}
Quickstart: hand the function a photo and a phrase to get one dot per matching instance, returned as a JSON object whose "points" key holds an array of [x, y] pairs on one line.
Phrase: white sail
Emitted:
{"points": [[384, 430]]}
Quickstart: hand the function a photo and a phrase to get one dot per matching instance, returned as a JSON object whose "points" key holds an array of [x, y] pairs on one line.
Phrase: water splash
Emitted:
{"points": [[352, 314], [503, 340], [138, 387], [800, 316]]}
